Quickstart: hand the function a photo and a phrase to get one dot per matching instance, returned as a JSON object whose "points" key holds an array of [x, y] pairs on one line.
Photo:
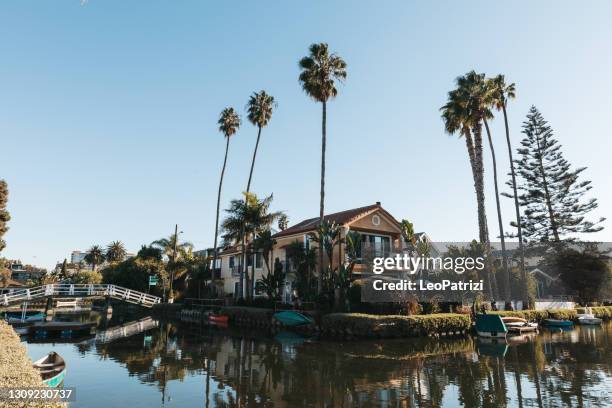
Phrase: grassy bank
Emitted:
{"points": [[16, 369], [375, 326]]}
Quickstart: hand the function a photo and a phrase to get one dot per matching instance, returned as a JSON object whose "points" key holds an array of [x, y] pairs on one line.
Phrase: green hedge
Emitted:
{"points": [[538, 315], [603, 312], [365, 325]]}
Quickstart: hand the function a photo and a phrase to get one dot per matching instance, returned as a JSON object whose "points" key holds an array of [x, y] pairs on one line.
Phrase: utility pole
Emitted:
{"points": [[171, 295]]}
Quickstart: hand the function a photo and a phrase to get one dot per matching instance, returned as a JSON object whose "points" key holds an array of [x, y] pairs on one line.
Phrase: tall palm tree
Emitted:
{"points": [[259, 113], [463, 114], [115, 251], [501, 93], [320, 71], [95, 256], [488, 96], [229, 123], [259, 108]]}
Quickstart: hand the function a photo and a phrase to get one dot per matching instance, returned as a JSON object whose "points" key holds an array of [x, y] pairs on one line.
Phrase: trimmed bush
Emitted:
{"points": [[366, 325]]}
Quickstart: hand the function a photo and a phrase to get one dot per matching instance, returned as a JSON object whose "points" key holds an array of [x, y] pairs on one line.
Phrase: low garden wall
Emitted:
{"points": [[16, 369]]}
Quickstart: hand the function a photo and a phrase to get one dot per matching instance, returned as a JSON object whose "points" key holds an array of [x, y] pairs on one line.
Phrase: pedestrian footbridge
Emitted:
{"points": [[14, 296]]}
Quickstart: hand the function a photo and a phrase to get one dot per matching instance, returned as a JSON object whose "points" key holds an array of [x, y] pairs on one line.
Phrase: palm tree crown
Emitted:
{"points": [[501, 91], [229, 122], [95, 256], [166, 246], [260, 108], [115, 251], [320, 70], [249, 213]]}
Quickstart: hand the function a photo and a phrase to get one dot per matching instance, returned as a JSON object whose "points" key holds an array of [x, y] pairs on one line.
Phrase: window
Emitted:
{"points": [[258, 291], [258, 259], [376, 245], [231, 262]]}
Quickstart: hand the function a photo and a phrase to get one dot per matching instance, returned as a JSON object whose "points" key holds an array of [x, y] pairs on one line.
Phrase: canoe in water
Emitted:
{"points": [[217, 318], [292, 318], [52, 369], [557, 323]]}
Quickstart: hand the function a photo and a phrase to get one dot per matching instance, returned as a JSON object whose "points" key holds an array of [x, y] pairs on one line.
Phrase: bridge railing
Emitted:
{"points": [[79, 290]]}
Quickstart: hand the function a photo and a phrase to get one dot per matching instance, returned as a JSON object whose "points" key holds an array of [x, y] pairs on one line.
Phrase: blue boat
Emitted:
{"points": [[20, 317], [557, 323], [292, 318], [52, 369]]}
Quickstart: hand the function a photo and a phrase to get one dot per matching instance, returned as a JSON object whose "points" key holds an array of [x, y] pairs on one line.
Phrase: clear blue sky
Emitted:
{"points": [[108, 110]]}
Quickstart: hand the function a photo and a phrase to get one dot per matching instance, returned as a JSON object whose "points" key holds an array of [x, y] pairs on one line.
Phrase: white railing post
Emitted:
{"points": [[28, 293]]}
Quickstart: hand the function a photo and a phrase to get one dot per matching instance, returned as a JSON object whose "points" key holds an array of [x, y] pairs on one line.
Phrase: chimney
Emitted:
{"points": [[378, 203]]}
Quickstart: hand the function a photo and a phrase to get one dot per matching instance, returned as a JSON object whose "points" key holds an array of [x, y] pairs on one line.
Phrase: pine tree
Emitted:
{"points": [[550, 193], [4, 215]]}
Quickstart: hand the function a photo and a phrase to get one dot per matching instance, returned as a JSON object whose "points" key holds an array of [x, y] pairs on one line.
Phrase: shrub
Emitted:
{"points": [[366, 325]]}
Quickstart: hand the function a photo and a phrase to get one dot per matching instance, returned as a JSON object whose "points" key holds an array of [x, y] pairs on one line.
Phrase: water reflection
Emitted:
{"points": [[218, 367]]}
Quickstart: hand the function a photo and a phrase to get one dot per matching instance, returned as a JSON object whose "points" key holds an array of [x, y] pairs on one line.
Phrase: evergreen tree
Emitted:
{"points": [[550, 190], [4, 215]]}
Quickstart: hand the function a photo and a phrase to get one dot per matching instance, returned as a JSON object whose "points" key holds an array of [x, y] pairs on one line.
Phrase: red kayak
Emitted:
{"points": [[217, 318]]}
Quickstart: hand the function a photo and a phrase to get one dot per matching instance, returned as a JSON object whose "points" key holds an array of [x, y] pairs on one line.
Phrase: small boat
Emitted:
{"points": [[588, 318], [52, 369], [218, 318], [490, 325], [519, 322], [292, 318], [19, 317], [557, 323]]}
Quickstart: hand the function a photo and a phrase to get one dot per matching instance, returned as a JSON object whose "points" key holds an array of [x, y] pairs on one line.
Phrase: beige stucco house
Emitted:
{"points": [[380, 236]]}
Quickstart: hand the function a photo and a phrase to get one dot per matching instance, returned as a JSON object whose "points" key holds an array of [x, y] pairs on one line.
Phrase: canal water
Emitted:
{"points": [[173, 364]]}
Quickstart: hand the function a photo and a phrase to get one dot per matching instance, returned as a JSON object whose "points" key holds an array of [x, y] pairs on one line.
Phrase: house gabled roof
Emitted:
{"points": [[341, 218]]}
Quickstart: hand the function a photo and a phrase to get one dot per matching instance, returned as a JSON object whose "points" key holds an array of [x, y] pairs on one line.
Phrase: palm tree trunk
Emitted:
{"points": [[499, 218], [525, 294], [322, 203], [245, 268], [218, 206], [483, 231], [253, 161]]}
